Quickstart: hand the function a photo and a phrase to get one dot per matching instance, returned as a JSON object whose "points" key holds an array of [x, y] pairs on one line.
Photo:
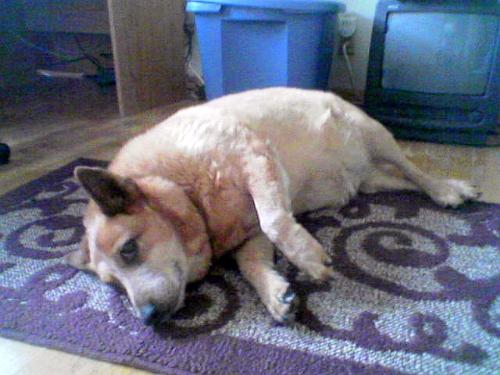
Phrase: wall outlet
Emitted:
{"points": [[347, 24]]}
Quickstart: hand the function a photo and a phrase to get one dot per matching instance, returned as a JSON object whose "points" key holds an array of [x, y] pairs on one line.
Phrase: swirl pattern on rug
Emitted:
{"points": [[416, 291]]}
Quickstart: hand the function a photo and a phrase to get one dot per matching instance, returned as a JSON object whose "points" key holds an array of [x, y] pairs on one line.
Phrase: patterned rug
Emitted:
{"points": [[416, 291]]}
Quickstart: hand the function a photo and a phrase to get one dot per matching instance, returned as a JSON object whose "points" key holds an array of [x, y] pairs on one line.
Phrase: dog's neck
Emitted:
{"points": [[172, 203], [209, 182]]}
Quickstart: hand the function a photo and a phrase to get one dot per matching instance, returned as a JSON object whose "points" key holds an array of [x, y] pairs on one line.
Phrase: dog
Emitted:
{"points": [[229, 176]]}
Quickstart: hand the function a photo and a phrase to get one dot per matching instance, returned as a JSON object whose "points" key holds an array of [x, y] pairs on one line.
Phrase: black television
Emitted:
{"points": [[433, 71]]}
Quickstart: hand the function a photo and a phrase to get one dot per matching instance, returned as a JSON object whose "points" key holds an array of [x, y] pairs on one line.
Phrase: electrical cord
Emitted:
{"points": [[89, 57], [64, 57], [195, 82], [189, 31], [103, 77], [350, 71], [61, 55]]}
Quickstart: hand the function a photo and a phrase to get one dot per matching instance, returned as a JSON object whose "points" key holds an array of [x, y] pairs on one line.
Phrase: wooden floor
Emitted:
{"points": [[56, 124]]}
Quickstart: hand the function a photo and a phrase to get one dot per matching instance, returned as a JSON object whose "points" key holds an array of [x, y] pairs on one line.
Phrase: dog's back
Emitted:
{"points": [[316, 136]]}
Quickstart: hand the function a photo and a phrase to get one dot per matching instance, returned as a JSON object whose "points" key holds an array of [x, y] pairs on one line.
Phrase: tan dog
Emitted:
{"points": [[230, 175]]}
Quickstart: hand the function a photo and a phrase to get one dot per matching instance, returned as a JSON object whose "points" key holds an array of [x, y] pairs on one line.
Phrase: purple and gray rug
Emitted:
{"points": [[416, 291]]}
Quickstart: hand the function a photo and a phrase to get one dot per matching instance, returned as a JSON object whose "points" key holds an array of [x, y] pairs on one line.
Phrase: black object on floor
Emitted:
{"points": [[4, 153]]}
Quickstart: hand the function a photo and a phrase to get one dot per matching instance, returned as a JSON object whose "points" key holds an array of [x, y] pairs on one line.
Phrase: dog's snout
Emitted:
{"points": [[152, 314], [148, 313]]}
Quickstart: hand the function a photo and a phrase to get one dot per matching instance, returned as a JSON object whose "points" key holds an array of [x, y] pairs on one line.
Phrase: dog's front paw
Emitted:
{"points": [[317, 272], [282, 302], [452, 193], [316, 264]]}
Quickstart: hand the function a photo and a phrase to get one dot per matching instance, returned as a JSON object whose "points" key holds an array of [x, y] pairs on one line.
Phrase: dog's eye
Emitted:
{"points": [[129, 251]]}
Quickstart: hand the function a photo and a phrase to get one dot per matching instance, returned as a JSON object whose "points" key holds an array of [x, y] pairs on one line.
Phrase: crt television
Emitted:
{"points": [[433, 71]]}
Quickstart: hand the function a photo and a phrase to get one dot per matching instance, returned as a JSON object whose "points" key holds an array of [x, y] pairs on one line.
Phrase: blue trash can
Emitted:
{"points": [[247, 44]]}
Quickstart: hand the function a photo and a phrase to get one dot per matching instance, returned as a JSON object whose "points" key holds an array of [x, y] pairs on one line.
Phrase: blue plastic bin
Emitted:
{"points": [[247, 44]]}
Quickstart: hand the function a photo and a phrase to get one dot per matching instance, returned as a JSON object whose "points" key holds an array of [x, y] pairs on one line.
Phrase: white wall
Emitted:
{"points": [[365, 11]]}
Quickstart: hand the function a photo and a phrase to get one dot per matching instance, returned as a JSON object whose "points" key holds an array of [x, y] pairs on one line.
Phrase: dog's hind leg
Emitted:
{"points": [[379, 181], [267, 184], [445, 192], [255, 260]]}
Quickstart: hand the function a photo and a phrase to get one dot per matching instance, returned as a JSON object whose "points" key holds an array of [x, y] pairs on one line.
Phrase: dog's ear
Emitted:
{"points": [[113, 194], [80, 258], [170, 200]]}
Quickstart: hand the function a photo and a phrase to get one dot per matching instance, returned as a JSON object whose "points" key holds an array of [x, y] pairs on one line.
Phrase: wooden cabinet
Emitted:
{"points": [[148, 49]]}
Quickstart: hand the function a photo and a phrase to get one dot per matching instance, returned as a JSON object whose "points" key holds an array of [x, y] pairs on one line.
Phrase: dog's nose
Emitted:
{"points": [[152, 315]]}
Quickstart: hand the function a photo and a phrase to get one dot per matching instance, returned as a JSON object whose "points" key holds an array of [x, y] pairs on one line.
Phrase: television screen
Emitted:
{"points": [[439, 53]]}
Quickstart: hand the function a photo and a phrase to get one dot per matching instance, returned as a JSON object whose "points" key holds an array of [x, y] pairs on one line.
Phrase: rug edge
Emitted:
{"points": [[37, 184], [73, 349]]}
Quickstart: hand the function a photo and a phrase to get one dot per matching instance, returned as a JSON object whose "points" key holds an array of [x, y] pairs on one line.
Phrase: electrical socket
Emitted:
{"points": [[347, 24]]}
